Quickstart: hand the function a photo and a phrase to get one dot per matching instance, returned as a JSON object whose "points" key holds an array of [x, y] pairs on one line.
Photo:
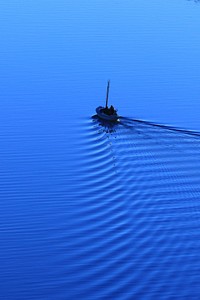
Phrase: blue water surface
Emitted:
{"points": [[92, 210]]}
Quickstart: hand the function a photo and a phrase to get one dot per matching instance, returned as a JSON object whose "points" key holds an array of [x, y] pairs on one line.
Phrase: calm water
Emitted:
{"points": [[89, 210]]}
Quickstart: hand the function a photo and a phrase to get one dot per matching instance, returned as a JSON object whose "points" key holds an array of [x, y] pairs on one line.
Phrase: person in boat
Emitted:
{"points": [[109, 111], [112, 110]]}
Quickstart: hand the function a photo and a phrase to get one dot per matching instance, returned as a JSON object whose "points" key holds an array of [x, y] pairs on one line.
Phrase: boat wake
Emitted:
{"points": [[138, 213], [166, 127]]}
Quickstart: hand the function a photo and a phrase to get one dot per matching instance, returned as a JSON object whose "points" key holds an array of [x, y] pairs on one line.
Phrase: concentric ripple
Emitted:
{"points": [[136, 229], [110, 212]]}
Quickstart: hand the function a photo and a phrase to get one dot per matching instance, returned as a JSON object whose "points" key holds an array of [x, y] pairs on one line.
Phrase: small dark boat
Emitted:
{"points": [[107, 113], [101, 113]]}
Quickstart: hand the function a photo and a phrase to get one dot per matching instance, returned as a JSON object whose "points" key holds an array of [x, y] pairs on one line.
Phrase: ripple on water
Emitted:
{"points": [[136, 230]]}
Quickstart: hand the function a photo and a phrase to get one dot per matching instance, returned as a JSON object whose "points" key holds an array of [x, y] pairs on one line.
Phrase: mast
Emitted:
{"points": [[107, 93]]}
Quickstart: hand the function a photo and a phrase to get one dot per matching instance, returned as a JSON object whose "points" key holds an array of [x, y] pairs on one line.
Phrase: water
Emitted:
{"points": [[91, 211]]}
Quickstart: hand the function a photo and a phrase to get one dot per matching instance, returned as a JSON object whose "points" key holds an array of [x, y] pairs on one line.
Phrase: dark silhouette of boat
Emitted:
{"points": [[107, 113]]}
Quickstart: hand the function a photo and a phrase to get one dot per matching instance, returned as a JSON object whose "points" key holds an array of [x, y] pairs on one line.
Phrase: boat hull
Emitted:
{"points": [[102, 115]]}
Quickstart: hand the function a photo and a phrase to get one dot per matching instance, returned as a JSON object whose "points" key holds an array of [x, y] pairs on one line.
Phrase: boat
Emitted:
{"points": [[107, 113], [103, 115]]}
